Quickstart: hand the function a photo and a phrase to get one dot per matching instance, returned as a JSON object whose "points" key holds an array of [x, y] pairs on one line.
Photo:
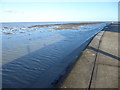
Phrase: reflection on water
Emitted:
{"points": [[28, 49], [24, 49]]}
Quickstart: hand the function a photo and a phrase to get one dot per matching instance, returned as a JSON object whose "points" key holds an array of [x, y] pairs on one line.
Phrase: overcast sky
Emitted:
{"points": [[13, 11]]}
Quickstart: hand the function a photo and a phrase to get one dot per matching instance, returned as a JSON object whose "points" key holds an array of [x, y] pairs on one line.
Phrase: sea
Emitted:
{"points": [[31, 55]]}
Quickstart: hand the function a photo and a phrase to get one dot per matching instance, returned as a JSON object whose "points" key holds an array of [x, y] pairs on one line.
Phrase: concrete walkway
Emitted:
{"points": [[98, 66]]}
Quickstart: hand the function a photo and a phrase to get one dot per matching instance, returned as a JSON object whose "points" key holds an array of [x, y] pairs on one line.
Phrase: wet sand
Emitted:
{"points": [[64, 26], [67, 26]]}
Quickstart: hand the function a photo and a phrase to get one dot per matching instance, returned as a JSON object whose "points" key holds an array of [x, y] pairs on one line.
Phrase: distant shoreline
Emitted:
{"points": [[58, 21]]}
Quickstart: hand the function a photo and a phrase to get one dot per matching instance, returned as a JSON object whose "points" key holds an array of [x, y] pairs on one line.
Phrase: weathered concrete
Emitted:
{"points": [[80, 75], [106, 69], [98, 65]]}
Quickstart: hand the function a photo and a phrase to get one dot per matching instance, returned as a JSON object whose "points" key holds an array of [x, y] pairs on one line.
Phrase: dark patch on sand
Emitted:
{"points": [[64, 26], [8, 33]]}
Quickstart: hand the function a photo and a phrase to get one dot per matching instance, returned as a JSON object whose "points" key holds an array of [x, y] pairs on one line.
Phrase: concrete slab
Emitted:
{"points": [[80, 75], [106, 77], [106, 69], [98, 67]]}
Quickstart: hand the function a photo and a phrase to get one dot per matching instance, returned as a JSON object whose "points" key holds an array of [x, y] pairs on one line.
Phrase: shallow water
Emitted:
{"points": [[26, 56]]}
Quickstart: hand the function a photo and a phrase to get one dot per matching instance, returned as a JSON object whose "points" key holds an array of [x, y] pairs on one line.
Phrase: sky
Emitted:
{"points": [[15, 11]]}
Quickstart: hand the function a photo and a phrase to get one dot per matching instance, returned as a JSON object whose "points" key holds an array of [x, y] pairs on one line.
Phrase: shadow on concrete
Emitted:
{"points": [[105, 53]]}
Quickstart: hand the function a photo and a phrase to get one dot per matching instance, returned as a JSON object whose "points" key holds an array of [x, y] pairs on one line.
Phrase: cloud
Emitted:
{"points": [[8, 10]]}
